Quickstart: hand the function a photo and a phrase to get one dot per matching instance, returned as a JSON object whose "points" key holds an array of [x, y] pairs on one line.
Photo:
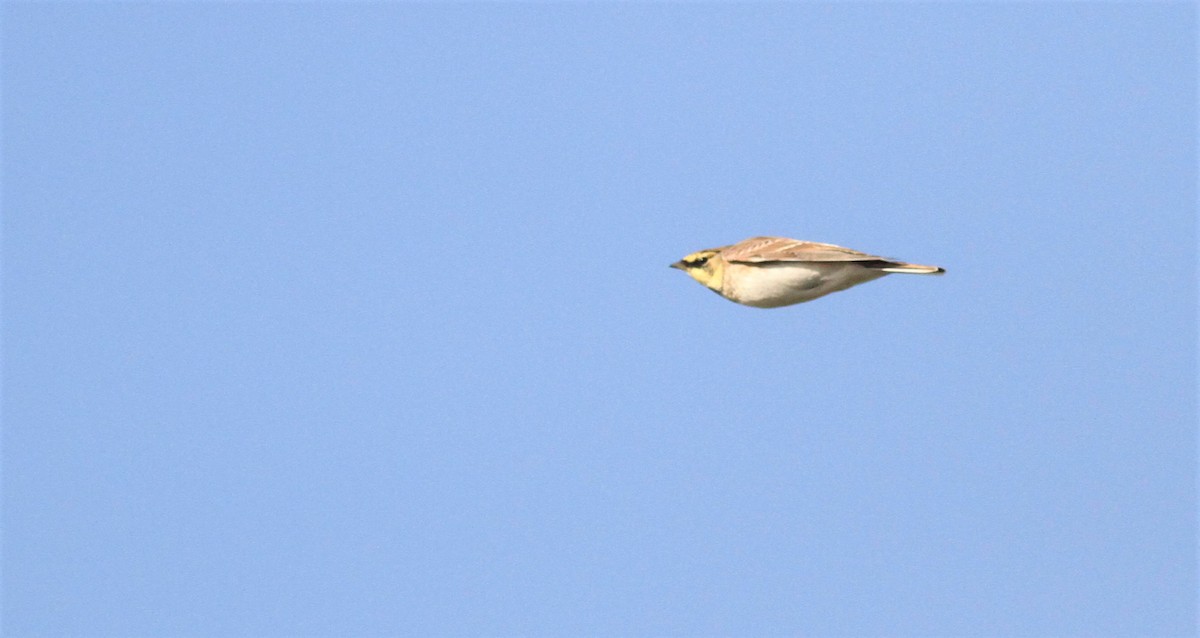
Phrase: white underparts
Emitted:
{"points": [[775, 284]]}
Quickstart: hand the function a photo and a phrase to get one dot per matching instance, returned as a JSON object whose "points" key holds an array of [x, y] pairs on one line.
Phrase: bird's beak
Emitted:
{"points": [[679, 265]]}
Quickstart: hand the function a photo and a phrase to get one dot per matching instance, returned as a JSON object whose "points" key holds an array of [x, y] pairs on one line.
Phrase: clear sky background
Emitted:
{"points": [[355, 320]]}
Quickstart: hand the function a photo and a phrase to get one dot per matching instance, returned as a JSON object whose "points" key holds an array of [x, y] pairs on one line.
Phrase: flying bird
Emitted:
{"points": [[769, 272]]}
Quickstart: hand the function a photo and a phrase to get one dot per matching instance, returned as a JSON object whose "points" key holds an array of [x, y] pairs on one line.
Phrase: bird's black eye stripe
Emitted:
{"points": [[699, 261]]}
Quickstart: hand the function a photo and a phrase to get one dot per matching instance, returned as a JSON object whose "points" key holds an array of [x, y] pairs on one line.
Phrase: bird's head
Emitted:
{"points": [[705, 266]]}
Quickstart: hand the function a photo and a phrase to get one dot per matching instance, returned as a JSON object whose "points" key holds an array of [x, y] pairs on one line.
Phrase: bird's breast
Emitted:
{"points": [[775, 284]]}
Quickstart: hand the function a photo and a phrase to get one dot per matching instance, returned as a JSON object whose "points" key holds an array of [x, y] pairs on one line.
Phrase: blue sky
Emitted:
{"points": [[355, 320]]}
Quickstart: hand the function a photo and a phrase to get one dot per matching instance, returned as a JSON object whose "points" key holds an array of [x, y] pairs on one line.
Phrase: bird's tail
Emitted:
{"points": [[910, 269]]}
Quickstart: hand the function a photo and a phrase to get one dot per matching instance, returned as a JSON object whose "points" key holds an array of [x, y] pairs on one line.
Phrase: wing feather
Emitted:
{"points": [[766, 249]]}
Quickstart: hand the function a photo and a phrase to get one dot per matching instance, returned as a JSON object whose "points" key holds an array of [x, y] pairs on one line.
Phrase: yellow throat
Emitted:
{"points": [[705, 266]]}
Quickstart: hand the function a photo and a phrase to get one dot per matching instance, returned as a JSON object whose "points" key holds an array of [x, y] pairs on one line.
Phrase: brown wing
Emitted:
{"points": [[763, 249]]}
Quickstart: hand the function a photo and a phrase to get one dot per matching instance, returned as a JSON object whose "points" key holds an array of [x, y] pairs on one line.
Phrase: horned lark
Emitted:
{"points": [[769, 272]]}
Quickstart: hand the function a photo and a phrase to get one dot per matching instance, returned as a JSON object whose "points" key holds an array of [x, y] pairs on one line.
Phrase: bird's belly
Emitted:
{"points": [[785, 283]]}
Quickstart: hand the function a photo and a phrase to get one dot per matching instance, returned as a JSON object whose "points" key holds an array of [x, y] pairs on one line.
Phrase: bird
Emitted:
{"points": [[771, 272]]}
